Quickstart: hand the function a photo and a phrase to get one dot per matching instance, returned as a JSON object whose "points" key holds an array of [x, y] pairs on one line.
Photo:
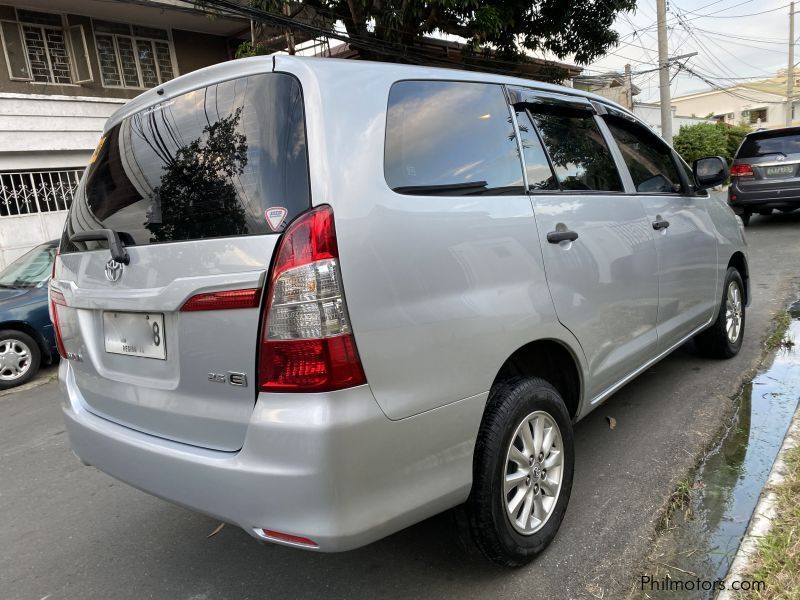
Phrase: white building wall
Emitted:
{"points": [[734, 103], [42, 132]]}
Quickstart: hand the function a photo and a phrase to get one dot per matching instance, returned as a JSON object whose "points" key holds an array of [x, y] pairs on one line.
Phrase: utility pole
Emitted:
{"points": [[790, 68], [663, 75], [628, 88]]}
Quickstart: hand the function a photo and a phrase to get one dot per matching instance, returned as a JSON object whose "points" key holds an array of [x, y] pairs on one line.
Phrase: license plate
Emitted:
{"points": [[781, 171], [135, 334]]}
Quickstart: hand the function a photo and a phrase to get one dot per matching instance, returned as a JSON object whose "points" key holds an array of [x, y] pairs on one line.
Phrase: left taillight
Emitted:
{"points": [[56, 300], [307, 344]]}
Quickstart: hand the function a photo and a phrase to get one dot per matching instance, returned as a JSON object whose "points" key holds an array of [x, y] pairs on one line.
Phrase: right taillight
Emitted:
{"points": [[741, 171], [307, 344], [56, 300]]}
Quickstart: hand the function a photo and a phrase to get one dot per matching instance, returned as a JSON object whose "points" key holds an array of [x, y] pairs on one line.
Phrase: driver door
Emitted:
{"points": [[686, 246]]}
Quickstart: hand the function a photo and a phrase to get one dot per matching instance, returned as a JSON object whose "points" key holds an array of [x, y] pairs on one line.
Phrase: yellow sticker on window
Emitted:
{"points": [[97, 150]]}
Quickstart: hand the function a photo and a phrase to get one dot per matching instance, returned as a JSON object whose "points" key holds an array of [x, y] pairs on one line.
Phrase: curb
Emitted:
{"points": [[764, 513]]}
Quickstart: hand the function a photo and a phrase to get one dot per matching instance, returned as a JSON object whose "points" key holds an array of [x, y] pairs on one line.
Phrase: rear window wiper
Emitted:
{"points": [[447, 188], [114, 239]]}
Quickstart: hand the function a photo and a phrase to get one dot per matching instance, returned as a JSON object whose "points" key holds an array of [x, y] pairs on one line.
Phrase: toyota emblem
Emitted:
{"points": [[113, 270]]}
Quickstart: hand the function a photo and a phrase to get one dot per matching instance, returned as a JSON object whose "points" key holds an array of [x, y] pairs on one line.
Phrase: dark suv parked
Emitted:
{"points": [[764, 173]]}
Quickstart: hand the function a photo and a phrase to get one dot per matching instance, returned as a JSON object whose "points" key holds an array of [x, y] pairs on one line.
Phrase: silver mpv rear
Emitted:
{"points": [[324, 300]]}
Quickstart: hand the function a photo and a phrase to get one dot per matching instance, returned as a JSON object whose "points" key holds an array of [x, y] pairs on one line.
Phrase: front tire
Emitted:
{"points": [[20, 357], [724, 338], [523, 469]]}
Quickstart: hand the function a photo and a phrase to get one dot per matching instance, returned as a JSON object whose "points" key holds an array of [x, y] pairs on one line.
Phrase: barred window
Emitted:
{"points": [[133, 56], [46, 46], [29, 192]]}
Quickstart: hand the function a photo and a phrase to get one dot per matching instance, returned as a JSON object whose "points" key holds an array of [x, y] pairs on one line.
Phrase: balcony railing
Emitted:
{"points": [[31, 192]]}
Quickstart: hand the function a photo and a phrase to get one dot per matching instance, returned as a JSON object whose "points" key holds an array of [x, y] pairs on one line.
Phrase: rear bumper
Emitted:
{"points": [[330, 467], [748, 200]]}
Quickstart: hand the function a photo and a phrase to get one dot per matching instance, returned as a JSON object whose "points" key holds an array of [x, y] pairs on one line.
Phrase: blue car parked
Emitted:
{"points": [[26, 334]]}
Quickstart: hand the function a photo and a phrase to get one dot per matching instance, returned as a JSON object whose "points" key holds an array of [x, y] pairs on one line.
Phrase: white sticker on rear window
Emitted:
{"points": [[275, 216]]}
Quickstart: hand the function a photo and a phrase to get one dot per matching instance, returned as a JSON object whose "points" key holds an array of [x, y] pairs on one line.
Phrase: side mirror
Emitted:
{"points": [[710, 171]]}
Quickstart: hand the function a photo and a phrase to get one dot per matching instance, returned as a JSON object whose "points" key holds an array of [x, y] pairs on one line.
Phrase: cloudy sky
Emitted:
{"points": [[733, 42]]}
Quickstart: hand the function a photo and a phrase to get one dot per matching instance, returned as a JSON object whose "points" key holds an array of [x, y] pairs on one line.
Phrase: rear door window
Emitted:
{"points": [[579, 154], [209, 163], [451, 138], [648, 158]]}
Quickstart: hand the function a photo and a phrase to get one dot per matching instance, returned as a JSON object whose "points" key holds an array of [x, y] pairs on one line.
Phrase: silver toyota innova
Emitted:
{"points": [[323, 300]]}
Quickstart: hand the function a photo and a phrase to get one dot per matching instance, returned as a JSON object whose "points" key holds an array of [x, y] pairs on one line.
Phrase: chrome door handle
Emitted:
{"points": [[554, 237]]}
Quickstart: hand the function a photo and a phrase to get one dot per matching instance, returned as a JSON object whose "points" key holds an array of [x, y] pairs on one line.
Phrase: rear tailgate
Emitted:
{"points": [[199, 186]]}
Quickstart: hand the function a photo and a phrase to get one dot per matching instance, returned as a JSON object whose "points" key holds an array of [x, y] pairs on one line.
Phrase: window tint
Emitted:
{"points": [[540, 175], [577, 149], [450, 138], [649, 159], [208, 163], [768, 143]]}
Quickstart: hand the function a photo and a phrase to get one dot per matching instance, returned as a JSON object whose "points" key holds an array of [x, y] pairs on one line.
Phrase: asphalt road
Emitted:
{"points": [[69, 531]]}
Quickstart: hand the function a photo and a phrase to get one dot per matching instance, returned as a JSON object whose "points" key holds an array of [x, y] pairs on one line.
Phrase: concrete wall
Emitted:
{"points": [[20, 234]]}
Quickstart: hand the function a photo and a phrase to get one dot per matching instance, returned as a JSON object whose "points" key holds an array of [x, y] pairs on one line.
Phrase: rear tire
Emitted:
{"points": [[745, 217], [724, 338], [20, 358], [523, 469]]}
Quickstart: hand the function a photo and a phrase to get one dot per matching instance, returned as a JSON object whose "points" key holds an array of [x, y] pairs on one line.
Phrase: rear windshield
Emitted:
{"points": [[226, 160], [759, 145]]}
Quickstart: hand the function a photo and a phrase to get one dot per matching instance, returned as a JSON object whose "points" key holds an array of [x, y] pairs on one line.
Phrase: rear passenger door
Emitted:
{"points": [[598, 248], [684, 234]]}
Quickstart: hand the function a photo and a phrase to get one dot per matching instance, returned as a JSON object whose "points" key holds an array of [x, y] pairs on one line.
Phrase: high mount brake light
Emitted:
{"points": [[307, 344]]}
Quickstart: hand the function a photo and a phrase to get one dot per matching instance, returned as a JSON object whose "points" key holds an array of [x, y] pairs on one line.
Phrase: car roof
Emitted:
{"points": [[765, 133], [244, 67]]}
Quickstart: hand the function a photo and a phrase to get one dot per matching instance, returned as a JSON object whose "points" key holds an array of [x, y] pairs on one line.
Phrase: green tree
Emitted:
{"points": [[198, 183], [582, 29], [734, 134], [709, 139], [702, 139]]}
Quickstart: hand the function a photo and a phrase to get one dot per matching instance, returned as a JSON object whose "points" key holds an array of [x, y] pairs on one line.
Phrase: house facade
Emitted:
{"points": [[67, 65], [760, 104]]}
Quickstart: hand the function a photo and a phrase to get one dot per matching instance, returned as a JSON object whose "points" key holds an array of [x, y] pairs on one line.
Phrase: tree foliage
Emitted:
{"points": [[582, 29], [709, 139], [197, 182]]}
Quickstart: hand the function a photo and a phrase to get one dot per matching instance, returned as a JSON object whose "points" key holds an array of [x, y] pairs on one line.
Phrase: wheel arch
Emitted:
{"points": [[30, 330], [739, 262], [553, 361]]}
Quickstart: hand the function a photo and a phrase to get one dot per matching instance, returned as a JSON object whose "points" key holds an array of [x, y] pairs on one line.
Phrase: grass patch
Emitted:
{"points": [[778, 335], [777, 562], [680, 500]]}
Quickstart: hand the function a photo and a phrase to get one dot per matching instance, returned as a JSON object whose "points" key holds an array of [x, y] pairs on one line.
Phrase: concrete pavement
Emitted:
{"points": [[69, 531]]}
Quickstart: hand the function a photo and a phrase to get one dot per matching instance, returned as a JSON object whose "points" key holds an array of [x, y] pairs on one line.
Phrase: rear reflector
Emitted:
{"points": [[307, 344], [741, 171], [292, 539], [249, 298], [310, 365]]}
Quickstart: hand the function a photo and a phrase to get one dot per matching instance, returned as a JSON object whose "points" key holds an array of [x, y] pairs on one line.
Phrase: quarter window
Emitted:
{"points": [[450, 138], [133, 56], [649, 160], [537, 167], [580, 157]]}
